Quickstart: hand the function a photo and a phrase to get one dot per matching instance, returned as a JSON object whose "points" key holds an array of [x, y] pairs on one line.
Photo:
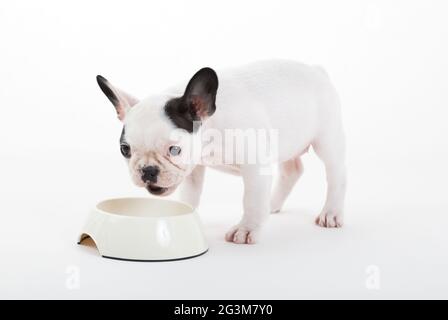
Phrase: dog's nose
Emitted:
{"points": [[150, 174]]}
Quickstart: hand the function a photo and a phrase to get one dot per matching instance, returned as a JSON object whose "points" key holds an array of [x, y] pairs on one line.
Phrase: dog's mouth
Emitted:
{"points": [[160, 191], [156, 190]]}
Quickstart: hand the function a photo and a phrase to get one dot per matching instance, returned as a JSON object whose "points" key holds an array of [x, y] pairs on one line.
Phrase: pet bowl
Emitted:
{"points": [[145, 229]]}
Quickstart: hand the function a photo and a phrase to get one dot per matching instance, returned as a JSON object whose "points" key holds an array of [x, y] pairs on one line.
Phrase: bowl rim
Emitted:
{"points": [[124, 216]]}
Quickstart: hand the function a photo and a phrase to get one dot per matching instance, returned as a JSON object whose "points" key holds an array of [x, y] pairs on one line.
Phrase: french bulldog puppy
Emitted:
{"points": [[296, 101]]}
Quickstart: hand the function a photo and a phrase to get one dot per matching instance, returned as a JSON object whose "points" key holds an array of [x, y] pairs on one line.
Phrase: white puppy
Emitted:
{"points": [[294, 101]]}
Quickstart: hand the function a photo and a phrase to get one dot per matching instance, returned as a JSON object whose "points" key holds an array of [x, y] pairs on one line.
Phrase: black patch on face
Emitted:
{"points": [[125, 149], [104, 86], [197, 103], [122, 139]]}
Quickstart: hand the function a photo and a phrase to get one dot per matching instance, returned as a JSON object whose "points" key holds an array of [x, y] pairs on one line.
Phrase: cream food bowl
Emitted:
{"points": [[145, 229]]}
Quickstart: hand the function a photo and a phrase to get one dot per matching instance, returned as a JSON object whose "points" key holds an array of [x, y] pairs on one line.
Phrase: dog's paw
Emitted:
{"points": [[275, 208], [329, 219], [242, 235]]}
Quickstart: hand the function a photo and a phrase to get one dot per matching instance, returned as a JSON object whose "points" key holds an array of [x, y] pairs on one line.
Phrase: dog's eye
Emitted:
{"points": [[125, 150], [175, 150]]}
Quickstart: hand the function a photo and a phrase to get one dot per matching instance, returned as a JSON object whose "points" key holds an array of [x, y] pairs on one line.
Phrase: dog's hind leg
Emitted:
{"points": [[289, 172], [331, 150]]}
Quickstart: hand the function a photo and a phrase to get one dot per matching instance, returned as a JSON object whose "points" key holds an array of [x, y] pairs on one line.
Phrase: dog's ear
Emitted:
{"points": [[120, 99], [200, 94]]}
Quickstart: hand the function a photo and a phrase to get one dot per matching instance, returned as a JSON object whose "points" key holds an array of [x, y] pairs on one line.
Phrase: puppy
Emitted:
{"points": [[296, 102]]}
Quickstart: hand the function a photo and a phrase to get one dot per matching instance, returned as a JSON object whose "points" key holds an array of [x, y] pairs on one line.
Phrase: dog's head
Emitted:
{"points": [[158, 159]]}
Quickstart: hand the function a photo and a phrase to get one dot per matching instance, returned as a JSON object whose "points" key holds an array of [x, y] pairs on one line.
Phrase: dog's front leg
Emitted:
{"points": [[191, 188], [257, 189]]}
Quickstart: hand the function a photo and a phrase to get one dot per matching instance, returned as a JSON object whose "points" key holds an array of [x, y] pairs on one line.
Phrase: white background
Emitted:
{"points": [[59, 146]]}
